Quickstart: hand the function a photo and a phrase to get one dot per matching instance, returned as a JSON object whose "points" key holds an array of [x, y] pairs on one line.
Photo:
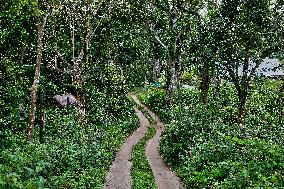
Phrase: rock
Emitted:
{"points": [[62, 99]]}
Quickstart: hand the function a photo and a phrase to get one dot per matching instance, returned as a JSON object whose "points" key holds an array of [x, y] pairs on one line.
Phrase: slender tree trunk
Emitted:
{"points": [[177, 71], [280, 103], [170, 75], [241, 108], [243, 92], [205, 83], [155, 78], [41, 124], [76, 72], [156, 66], [218, 86], [40, 33], [80, 79]]}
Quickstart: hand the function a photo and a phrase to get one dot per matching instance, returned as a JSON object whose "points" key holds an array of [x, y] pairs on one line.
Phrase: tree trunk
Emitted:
{"points": [[80, 79], [81, 68], [156, 69], [243, 92], [241, 108], [218, 86], [177, 71], [170, 77], [41, 124], [205, 83], [280, 102], [40, 33]]}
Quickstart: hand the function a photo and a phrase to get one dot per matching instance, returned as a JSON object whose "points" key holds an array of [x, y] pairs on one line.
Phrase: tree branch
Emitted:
{"points": [[191, 12], [91, 11], [235, 79], [256, 66], [156, 36], [63, 59], [183, 30]]}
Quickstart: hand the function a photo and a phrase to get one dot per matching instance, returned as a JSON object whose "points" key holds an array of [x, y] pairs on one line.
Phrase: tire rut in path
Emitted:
{"points": [[164, 177], [119, 176]]}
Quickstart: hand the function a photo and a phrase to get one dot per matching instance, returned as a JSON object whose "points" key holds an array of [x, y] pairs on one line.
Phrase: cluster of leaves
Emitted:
{"points": [[155, 97], [207, 149], [70, 157], [141, 172]]}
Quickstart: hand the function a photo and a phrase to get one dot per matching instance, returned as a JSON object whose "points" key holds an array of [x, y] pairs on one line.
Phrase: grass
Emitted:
{"points": [[141, 172]]}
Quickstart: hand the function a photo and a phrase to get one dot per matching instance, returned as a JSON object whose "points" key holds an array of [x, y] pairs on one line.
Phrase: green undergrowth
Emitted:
{"points": [[145, 113], [72, 155], [206, 148], [141, 172]]}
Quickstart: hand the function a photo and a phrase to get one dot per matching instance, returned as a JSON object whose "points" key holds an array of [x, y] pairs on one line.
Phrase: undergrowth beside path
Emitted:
{"points": [[141, 172], [207, 149], [67, 159]]}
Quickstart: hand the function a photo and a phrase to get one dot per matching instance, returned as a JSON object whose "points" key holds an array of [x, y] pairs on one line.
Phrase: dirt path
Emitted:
{"points": [[119, 176], [164, 177]]}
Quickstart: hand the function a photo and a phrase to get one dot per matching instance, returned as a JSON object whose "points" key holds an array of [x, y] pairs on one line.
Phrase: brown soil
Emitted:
{"points": [[119, 176], [164, 177]]}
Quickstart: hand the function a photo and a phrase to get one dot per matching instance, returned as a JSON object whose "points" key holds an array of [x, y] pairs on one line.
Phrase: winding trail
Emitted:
{"points": [[164, 177], [119, 176]]}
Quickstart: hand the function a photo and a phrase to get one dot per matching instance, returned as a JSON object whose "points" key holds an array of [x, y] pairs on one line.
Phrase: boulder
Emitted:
{"points": [[63, 99]]}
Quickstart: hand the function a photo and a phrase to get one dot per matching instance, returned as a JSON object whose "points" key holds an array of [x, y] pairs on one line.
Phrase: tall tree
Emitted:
{"points": [[40, 23], [168, 22], [204, 49], [247, 33], [74, 57]]}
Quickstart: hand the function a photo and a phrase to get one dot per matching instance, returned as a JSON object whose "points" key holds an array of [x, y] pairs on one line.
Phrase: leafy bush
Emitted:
{"points": [[72, 156], [205, 147]]}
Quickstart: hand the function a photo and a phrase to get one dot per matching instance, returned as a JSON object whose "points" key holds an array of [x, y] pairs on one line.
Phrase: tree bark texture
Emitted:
{"points": [[80, 69], [243, 92], [170, 78], [205, 84], [41, 124], [280, 102], [156, 69], [241, 108], [34, 88], [217, 86]]}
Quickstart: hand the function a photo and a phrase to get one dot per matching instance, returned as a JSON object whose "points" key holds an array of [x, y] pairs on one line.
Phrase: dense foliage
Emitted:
{"points": [[69, 157], [207, 149], [98, 51]]}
